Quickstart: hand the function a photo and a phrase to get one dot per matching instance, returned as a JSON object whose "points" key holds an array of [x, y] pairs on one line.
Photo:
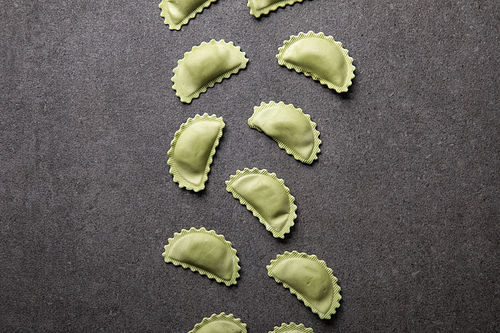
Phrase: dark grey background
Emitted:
{"points": [[403, 203]]}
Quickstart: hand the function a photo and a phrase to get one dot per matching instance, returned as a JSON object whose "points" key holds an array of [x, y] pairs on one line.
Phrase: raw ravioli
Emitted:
{"points": [[320, 57], [192, 150], [204, 252], [177, 13], [263, 7], [267, 197], [310, 279], [204, 66], [221, 323], [289, 127]]}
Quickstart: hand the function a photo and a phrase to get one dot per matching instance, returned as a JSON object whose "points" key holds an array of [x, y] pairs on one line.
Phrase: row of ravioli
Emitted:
{"points": [[178, 13], [210, 254], [263, 193], [313, 54], [223, 323]]}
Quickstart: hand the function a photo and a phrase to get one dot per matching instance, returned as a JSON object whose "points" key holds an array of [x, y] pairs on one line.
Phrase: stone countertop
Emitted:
{"points": [[402, 204]]}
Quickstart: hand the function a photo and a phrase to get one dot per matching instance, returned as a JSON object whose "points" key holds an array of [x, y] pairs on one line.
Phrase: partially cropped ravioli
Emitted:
{"points": [[192, 150], [267, 197], [292, 328], [204, 66], [263, 7], [221, 323], [310, 279], [289, 127], [320, 57], [204, 252], [179, 12]]}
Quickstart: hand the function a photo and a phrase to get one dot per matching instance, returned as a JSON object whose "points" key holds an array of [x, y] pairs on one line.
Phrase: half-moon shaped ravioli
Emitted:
{"points": [[267, 197], [310, 279], [192, 150], [221, 323], [292, 328], [204, 66], [289, 127], [204, 252], [263, 7], [320, 57], [179, 12]]}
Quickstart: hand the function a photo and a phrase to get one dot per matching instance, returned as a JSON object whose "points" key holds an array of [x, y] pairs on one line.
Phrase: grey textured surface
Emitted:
{"points": [[403, 203]]}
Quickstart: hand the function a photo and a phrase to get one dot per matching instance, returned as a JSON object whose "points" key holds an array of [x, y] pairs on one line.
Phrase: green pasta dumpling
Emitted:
{"points": [[289, 127], [320, 57], [309, 279]]}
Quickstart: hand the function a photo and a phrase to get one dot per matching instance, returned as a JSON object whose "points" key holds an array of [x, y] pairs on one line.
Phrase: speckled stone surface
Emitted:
{"points": [[402, 204]]}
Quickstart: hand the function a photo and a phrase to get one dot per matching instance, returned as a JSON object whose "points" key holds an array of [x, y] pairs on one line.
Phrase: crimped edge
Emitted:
{"points": [[336, 295], [264, 11], [331, 85], [290, 151], [184, 232], [173, 169], [292, 326], [172, 25], [220, 317], [197, 93], [291, 216]]}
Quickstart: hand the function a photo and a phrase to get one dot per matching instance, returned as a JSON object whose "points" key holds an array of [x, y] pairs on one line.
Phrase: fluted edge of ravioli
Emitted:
{"points": [[291, 214], [336, 297], [257, 12], [178, 178], [210, 84], [193, 268], [177, 26], [298, 69], [290, 151], [222, 317], [292, 327]]}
